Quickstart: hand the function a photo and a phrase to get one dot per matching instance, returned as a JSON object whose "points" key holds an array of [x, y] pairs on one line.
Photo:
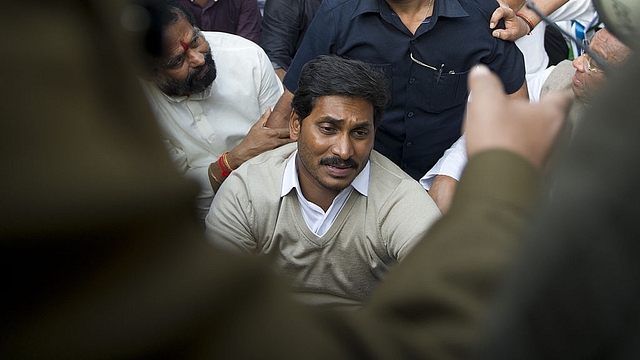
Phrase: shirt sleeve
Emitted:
{"points": [[198, 174], [319, 40], [249, 21], [401, 227], [280, 28], [270, 86], [229, 218], [450, 164]]}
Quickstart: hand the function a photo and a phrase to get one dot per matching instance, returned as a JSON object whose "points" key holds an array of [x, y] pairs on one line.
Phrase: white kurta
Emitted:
{"points": [[199, 128]]}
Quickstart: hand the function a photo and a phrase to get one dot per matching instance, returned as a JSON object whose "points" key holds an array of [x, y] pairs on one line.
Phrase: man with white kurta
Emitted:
{"points": [[208, 91]]}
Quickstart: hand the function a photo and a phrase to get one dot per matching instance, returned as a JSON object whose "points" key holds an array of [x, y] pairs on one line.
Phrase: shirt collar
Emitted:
{"points": [[445, 8], [290, 177]]}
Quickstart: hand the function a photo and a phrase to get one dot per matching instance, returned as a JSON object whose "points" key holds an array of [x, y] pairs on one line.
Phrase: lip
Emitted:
{"points": [[339, 172], [575, 80]]}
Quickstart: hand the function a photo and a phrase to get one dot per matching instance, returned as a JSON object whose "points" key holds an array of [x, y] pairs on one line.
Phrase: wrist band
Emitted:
{"points": [[526, 20], [226, 163], [225, 172], [213, 176]]}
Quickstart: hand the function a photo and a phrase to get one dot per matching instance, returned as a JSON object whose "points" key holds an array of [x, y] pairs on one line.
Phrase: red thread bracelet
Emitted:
{"points": [[225, 173], [527, 20]]}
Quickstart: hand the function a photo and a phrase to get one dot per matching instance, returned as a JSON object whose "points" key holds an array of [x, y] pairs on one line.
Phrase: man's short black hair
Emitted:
{"points": [[333, 75]]}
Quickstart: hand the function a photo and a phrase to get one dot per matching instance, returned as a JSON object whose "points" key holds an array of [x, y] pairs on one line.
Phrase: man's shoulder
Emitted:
{"points": [[272, 158], [560, 78], [332, 5], [481, 7], [389, 184], [221, 40], [261, 176], [385, 173]]}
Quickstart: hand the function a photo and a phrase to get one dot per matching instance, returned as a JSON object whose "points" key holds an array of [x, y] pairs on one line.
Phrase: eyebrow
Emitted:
{"points": [[176, 59], [334, 121]]}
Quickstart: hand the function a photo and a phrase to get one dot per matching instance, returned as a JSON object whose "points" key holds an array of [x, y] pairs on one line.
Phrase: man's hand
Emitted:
{"points": [[492, 121], [515, 27], [259, 139], [442, 190]]}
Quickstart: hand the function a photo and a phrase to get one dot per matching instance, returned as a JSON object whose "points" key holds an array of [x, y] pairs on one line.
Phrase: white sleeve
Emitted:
{"points": [[580, 10], [451, 164]]}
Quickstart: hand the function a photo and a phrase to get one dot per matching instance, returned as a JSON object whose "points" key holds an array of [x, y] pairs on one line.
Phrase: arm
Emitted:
{"points": [[279, 118], [249, 21], [259, 139], [520, 94], [228, 223], [280, 28], [318, 40], [407, 215], [516, 27], [441, 180], [198, 174], [442, 190]]}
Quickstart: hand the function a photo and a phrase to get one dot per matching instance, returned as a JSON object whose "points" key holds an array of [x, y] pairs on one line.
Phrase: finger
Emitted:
{"points": [[484, 84], [281, 133], [265, 116], [486, 92], [495, 17], [506, 35]]}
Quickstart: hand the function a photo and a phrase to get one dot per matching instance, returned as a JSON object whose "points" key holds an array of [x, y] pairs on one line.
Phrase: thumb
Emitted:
{"points": [[486, 93], [265, 116]]}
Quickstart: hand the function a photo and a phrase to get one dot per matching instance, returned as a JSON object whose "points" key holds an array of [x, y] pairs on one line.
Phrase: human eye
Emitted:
{"points": [[327, 129], [196, 42], [362, 133], [175, 63]]}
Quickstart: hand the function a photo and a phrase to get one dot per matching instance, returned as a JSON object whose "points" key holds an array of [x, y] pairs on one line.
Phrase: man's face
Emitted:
{"points": [[586, 82], [186, 66], [334, 143]]}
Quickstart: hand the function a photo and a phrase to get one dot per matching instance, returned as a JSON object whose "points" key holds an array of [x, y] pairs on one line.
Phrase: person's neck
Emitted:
{"points": [[412, 12], [201, 2]]}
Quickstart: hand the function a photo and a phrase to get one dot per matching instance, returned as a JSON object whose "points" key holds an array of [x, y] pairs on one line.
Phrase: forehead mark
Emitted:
{"points": [[184, 45]]}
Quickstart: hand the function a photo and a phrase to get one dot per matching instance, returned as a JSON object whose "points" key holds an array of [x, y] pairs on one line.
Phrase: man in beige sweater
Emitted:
{"points": [[335, 214]]}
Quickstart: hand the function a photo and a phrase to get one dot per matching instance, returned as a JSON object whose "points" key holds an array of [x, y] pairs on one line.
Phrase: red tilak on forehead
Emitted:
{"points": [[184, 45]]}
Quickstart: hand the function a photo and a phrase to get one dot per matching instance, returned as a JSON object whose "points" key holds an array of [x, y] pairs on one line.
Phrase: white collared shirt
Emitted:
{"points": [[317, 220]]}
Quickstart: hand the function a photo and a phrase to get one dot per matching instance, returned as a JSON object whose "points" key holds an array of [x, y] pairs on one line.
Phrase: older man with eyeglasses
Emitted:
{"points": [[584, 75]]}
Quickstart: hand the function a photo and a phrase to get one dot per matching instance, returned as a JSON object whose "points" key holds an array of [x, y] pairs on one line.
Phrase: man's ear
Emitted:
{"points": [[294, 126]]}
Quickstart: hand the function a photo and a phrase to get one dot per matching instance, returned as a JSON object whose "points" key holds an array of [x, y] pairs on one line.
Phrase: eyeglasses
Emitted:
{"points": [[587, 62]]}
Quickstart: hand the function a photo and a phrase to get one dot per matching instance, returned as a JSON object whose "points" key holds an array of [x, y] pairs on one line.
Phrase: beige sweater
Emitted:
{"points": [[342, 267]]}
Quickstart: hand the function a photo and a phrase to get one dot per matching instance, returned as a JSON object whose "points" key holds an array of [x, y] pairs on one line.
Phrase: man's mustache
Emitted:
{"points": [[337, 162]]}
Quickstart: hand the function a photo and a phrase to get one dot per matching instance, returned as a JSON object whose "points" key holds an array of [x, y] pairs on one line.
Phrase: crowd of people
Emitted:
{"points": [[186, 178]]}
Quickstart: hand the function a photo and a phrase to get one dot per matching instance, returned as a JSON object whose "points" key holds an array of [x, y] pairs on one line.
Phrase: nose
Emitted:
{"points": [[195, 58], [343, 147], [578, 63]]}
